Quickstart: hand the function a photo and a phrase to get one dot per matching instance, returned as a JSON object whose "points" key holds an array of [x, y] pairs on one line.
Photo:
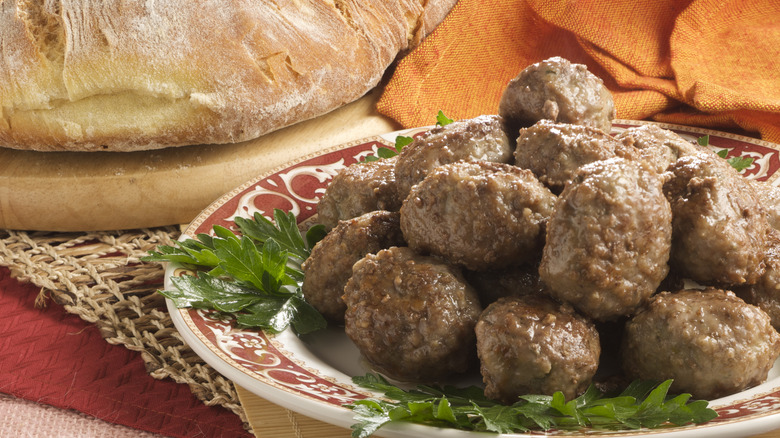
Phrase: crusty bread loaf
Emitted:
{"points": [[123, 75]]}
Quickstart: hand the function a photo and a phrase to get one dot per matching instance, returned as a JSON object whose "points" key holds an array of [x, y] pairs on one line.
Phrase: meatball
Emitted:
{"points": [[766, 292], [329, 266], [510, 282], [555, 151], [769, 196], [608, 240], [659, 147], [719, 225], [557, 90], [709, 341], [533, 345], [480, 138], [357, 189], [480, 215], [411, 316]]}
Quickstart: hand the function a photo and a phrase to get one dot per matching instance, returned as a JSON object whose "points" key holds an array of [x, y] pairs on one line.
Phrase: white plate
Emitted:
{"points": [[312, 375]]}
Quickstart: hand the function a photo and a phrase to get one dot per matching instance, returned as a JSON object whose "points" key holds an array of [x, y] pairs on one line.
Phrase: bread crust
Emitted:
{"points": [[126, 75]]}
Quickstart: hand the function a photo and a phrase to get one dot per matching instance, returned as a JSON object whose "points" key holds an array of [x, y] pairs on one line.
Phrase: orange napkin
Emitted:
{"points": [[709, 63]]}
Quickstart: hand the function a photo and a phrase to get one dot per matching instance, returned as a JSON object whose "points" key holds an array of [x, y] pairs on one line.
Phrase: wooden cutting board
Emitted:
{"points": [[85, 191]]}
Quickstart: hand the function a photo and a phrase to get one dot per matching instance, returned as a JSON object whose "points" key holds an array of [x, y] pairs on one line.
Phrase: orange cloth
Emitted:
{"points": [[710, 63]]}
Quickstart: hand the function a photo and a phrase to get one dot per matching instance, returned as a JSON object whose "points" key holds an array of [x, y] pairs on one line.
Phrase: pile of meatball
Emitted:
{"points": [[538, 247]]}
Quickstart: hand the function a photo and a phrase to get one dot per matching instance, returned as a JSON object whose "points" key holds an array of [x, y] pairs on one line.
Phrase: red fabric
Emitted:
{"points": [[52, 357]]}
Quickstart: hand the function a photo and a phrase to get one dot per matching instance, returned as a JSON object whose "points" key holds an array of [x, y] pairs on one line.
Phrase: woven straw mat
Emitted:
{"points": [[99, 277]]}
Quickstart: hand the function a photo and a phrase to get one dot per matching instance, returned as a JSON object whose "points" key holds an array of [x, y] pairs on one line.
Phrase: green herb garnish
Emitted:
{"points": [[641, 404], [401, 141], [255, 277], [442, 120], [738, 163]]}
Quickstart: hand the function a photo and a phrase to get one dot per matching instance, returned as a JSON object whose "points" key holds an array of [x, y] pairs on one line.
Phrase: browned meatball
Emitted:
{"points": [[557, 90], [478, 214], [769, 196], [710, 342], [411, 316], [480, 138], [766, 292], [555, 151], [510, 282], [719, 226], [608, 240], [330, 264], [357, 189], [533, 345], [659, 147]]}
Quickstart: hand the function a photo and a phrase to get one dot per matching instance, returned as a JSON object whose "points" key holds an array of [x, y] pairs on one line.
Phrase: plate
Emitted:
{"points": [[312, 374]]}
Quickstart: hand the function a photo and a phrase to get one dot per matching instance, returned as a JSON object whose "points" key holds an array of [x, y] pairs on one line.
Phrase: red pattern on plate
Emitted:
{"points": [[296, 188], [258, 354]]}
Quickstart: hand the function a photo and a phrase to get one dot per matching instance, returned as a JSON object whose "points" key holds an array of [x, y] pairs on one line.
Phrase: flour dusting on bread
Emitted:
{"points": [[124, 75]]}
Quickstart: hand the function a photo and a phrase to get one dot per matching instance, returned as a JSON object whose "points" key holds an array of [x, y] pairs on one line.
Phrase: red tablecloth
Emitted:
{"points": [[52, 357]]}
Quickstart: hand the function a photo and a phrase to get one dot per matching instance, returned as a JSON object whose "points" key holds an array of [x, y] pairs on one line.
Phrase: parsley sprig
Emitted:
{"points": [[256, 277], [383, 152], [738, 163], [641, 404], [401, 141], [442, 120]]}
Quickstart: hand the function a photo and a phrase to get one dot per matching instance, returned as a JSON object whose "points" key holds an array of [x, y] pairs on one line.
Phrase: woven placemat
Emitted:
{"points": [[99, 277]]}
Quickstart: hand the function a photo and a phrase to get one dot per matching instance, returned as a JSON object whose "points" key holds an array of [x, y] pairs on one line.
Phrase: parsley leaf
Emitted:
{"points": [[641, 404], [192, 252], [443, 120], [207, 292], [284, 231], [401, 141], [738, 163], [255, 278]]}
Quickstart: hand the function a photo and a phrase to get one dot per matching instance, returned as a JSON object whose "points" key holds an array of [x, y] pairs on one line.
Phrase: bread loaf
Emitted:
{"points": [[126, 75]]}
